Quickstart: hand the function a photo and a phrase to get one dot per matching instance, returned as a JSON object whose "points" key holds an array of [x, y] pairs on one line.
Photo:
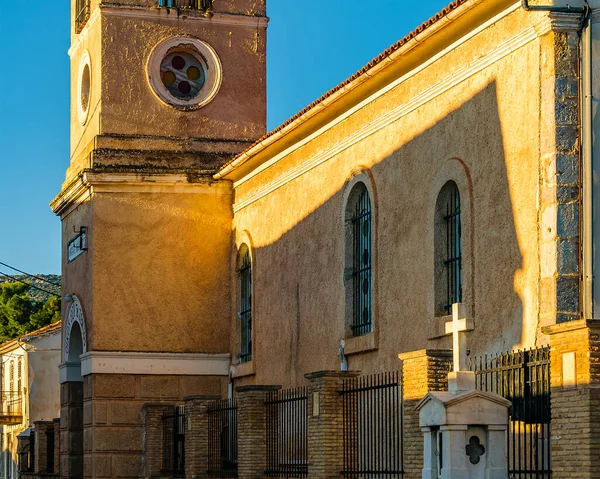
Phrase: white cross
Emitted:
{"points": [[458, 327], [477, 410]]}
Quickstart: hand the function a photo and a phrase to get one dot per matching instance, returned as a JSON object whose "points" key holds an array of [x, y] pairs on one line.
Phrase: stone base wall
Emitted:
{"points": [[113, 417]]}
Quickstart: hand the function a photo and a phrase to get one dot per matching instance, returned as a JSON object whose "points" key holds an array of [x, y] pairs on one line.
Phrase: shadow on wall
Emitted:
{"points": [[298, 238]]}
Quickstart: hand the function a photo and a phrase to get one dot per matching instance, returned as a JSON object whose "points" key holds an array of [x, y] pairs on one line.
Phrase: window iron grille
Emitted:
{"points": [[522, 377], [82, 14], [361, 264], [200, 5], [174, 442], [245, 312], [223, 438], [287, 433], [453, 261], [373, 427]]}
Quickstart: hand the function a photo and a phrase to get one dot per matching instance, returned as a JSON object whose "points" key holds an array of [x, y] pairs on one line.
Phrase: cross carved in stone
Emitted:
{"points": [[459, 325]]}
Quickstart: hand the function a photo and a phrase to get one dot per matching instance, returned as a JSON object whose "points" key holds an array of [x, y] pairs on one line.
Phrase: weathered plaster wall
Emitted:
{"points": [[482, 132], [161, 269], [43, 357]]}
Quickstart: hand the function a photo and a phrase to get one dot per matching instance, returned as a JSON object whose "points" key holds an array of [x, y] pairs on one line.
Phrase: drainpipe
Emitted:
{"points": [[586, 122], [586, 169]]}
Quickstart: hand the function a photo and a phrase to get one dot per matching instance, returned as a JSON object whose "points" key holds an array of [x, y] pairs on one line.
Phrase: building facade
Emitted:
{"points": [[201, 254], [30, 389]]}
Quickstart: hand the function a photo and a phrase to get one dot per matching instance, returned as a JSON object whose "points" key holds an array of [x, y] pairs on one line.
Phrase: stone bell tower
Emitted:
{"points": [[163, 92]]}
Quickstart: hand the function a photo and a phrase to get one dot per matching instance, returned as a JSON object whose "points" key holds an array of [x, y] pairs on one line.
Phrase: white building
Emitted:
{"points": [[30, 389]]}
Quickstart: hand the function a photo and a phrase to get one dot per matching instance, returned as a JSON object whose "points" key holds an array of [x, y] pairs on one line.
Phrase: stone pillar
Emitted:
{"points": [[325, 423], [71, 430], [152, 417], [252, 431], [42, 429], [422, 371], [196, 435], [575, 398]]}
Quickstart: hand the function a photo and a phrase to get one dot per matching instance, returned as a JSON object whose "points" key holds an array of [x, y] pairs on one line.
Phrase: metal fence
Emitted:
{"points": [[50, 446], [287, 433], [174, 442], [373, 427], [223, 438], [522, 377]]}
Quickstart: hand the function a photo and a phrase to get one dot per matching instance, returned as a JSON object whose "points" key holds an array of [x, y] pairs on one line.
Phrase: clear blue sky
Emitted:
{"points": [[312, 46]]}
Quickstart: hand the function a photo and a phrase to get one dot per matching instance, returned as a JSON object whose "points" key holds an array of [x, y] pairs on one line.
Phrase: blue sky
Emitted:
{"points": [[312, 46]]}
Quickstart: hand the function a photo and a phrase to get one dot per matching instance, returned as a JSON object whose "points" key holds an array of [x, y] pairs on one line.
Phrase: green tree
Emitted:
{"points": [[20, 314]]}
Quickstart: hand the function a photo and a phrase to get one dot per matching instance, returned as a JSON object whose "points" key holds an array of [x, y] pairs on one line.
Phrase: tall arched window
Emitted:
{"points": [[448, 249], [359, 259], [245, 305]]}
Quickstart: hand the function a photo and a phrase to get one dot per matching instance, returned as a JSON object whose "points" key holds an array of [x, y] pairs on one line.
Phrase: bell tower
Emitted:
{"points": [[163, 92]]}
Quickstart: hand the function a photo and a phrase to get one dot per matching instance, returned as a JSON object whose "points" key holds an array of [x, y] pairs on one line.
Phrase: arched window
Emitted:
{"points": [[448, 249], [245, 305], [359, 260]]}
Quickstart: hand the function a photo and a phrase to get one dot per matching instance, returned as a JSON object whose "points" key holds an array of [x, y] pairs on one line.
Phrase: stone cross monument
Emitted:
{"points": [[464, 429]]}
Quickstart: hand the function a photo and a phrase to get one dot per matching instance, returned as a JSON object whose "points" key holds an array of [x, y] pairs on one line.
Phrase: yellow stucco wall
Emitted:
{"points": [[468, 125]]}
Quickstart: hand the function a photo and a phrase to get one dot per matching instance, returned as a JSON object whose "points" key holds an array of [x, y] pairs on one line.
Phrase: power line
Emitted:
{"points": [[30, 275], [28, 284]]}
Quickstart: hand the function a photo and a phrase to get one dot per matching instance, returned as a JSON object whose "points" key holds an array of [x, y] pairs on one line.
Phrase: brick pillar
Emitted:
{"points": [[42, 429], [325, 423], [252, 431], [422, 371], [196, 435], [152, 418], [71, 430], [56, 423], [575, 398]]}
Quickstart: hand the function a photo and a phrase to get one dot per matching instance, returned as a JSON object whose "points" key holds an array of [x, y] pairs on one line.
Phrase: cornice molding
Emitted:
{"points": [[493, 56], [176, 364], [90, 182], [559, 23]]}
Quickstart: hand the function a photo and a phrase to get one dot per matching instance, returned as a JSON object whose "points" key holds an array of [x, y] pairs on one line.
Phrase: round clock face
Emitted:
{"points": [[184, 73]]}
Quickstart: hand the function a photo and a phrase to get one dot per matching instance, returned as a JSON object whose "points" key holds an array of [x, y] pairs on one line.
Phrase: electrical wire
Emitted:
{"points": [[30, 275], [29, 284]]}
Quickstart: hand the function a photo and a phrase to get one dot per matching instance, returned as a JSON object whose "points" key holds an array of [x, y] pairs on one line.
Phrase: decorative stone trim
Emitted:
{"points": [[104, 362], [84, 88], [74, 315]]}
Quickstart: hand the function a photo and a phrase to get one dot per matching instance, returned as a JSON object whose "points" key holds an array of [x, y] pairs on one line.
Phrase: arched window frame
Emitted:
{"points": [[448, 248], [360, 182], [244, 304], [456, 170]]}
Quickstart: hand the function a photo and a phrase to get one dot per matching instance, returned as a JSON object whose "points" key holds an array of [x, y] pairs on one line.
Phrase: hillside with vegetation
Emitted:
{"points": [[27, 307]]}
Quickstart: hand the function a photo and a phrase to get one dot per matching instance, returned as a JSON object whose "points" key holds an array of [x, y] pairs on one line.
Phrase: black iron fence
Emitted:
{"points": [[522, 377], [50, 446], [287, 433], [174, 442], [373, 426], [26, 453], [223, 438], [82, 14]]}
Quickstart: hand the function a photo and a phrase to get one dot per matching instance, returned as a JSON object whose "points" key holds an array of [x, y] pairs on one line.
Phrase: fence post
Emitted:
{"points": [[422, 371], [196, 435], [325, 423], [152, 416], [575, 398], [252, 431]]}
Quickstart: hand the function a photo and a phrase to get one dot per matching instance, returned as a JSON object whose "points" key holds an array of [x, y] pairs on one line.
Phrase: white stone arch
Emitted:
{"points": [[74, 315]]}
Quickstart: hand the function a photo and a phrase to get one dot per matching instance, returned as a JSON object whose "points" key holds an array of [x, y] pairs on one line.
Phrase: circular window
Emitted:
{"points": [[85, 88], [184, 73]]}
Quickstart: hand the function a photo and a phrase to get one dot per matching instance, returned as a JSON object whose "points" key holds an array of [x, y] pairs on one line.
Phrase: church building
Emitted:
{"points": [[205, 257]]}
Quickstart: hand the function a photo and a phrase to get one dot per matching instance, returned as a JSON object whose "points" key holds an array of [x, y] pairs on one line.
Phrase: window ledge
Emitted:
{"points": [[439, 326], [243, 369], [361, 344]]}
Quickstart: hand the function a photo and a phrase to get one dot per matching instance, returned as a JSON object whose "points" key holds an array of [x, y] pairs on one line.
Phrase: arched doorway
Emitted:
{"points": [[74, 345]]}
